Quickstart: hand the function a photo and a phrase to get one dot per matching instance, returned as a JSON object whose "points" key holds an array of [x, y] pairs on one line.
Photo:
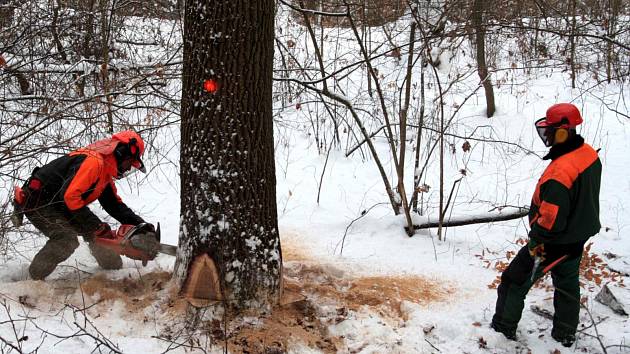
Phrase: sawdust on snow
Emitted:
{"points": [[135, 293], [299, 318]]}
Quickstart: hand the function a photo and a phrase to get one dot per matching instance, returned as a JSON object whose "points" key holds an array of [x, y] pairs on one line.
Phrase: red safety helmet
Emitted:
{"points": [[136, 147], [560, 118]]}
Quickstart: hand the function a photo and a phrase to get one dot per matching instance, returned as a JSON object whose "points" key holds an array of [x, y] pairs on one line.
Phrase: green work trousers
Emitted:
{"points": [[62, 241], [516, 281]]}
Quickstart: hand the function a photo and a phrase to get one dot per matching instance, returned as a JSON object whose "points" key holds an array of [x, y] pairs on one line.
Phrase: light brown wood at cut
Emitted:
{"points": [[202, 287]]}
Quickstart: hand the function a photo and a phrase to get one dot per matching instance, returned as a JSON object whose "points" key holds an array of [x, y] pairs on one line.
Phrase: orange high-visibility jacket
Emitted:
{"points": [[565, 204], [75, 180]]}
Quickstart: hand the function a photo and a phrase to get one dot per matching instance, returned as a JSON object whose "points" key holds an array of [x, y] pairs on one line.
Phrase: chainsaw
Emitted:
{"points": [[140, 242]]}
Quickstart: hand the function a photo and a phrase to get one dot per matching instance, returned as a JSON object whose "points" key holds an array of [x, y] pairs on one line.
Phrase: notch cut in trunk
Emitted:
{"points": [[202, 287]]}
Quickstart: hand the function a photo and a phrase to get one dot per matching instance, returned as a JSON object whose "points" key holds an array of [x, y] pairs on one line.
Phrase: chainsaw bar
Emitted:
{"points": [[168, 249], [139, 240], [151, 244], [163, 247]]}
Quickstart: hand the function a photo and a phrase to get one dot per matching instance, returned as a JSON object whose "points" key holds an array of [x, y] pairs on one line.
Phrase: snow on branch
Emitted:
{"points": [[475, 219]]}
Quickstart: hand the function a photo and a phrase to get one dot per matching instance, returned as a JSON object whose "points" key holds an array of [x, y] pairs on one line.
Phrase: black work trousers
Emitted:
{"points": [[62, 232]]}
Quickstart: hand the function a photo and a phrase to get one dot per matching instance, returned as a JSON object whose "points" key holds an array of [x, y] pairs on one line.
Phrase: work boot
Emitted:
{"points": [[565, 339], [508, 333], [54, 252], [106, 258]]}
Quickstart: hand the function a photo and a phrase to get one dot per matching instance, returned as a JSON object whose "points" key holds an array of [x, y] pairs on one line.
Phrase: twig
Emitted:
{"points": [[321, 178], [618, 346], [544, 313], [592, 324], [470, 137], [431, 344], [10, 345], [82, 294], [363, 213], [8, 310], [450, 196], [618, 271], [178, 345], [18, 347], [590, 315], [83, 331]]}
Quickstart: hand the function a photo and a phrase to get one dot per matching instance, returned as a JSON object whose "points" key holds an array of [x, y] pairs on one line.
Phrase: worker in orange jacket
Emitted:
{"points": [[563, 215], [56, 196]]}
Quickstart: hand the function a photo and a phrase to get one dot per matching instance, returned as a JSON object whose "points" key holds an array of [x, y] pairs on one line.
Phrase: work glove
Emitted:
{"points": [[147, 239], [138, 244], [103, 231], [150, 227], [536, 249]]}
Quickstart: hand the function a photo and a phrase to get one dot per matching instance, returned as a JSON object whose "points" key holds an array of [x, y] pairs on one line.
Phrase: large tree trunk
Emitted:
{"points": [[228, 184]]}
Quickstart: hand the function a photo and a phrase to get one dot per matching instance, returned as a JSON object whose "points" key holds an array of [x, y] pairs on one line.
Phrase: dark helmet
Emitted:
{"points": [[559, 123], [129, 152]]}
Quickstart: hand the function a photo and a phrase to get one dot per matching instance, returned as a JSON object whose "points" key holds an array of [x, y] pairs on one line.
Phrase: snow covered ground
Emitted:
{"points": [[135, 310]]}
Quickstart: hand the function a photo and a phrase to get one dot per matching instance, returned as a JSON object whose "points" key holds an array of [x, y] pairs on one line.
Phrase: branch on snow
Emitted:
{"points": [[313, 12], [479, 219]]}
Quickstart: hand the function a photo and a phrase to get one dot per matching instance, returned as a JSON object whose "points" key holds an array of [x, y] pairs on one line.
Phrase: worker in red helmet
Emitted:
{"points": [[56, 197], [563, 215]]}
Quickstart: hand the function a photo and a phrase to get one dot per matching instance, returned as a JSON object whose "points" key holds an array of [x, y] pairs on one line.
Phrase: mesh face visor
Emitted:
{"points": [[137, 162], [139, 165], [128, 160], [545, 131], [125, 169], [129, 167]]}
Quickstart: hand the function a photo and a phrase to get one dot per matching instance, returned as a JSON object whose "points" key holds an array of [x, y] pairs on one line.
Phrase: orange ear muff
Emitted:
{"points": [[561, 136], [133, 146]]}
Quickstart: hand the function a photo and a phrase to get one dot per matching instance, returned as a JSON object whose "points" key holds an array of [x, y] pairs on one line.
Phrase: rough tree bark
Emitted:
{"points": [[482, 66], [228, 185]]}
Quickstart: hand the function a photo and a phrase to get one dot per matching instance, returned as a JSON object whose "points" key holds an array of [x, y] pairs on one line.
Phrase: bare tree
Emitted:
{"points": [[482, 66], [53, 60], [229, 246]]}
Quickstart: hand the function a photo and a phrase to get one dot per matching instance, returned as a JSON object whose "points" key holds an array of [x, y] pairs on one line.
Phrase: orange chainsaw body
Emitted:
{"points": [[119, 241]]}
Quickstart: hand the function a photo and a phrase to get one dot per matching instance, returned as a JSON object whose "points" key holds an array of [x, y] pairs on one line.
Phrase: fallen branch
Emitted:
{"points": [[431, 344], [620, 272], [470, 220], [544, 313]]}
